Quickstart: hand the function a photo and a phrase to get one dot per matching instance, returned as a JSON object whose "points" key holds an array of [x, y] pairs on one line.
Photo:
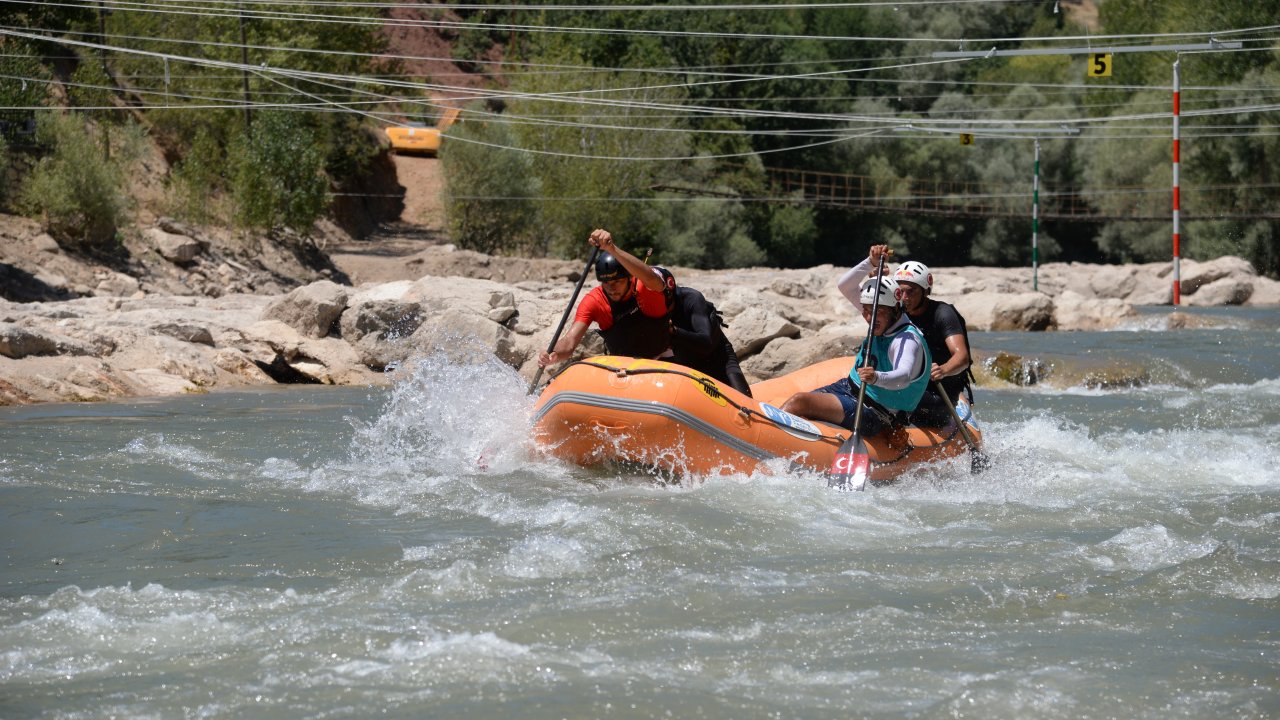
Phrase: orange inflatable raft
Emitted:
{"points": [[682, 422]]}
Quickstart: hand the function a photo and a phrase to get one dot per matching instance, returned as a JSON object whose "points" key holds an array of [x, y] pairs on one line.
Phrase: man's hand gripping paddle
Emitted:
{"points": [[851, 465], [565, 317]]}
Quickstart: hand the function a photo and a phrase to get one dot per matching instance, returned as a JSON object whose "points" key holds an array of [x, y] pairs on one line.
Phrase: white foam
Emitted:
{"points": [[1150, 548], [451, 418], [547, 556]]}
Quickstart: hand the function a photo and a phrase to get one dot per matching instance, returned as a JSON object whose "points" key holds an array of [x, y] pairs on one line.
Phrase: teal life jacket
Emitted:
{"points": [[908, 397]]}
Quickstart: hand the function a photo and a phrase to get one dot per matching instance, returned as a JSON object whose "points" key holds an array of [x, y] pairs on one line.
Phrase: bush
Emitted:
{"points": [[489, 196], [79, 194], [197, 179], [277, 176], [709, 233]]}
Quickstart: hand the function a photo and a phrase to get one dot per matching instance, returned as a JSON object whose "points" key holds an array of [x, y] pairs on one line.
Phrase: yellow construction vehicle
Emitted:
{"points": [[417, 138]]}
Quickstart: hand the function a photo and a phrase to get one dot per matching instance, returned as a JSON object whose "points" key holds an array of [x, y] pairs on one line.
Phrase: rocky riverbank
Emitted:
{"points": [[123, 342]]}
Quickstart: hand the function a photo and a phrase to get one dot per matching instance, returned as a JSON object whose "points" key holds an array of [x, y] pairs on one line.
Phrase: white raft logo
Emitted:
{"points": [[792, 424]]}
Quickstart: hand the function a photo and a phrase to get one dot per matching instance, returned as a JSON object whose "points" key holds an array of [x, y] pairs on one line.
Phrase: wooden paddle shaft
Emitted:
{"points": [[565, 317]]}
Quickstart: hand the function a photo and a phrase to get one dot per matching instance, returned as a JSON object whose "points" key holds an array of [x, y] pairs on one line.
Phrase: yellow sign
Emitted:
{"points": [[966, 138], [710, 392], [1100, 65]]}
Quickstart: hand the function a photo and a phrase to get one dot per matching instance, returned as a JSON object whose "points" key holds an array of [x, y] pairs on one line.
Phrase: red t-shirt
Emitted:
{"points": [[595, 306]]}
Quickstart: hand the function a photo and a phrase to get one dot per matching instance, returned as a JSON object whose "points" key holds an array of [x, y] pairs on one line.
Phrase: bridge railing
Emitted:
{"points": [[970, 199]]}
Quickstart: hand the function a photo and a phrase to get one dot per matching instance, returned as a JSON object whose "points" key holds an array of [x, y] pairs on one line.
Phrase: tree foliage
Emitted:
{"points": [[612, 116], [76, 189], [272, 164], [753, 62], [276, 176], [490, 201]]}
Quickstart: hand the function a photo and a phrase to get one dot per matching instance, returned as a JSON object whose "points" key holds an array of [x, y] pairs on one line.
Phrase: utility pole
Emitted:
{"points": [[102, 37], [102, 54], [244, 70], [1035, 222], [1177, 194]]}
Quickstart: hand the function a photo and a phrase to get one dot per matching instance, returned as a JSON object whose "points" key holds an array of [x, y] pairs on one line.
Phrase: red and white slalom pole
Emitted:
{"points": [[1177, 199]]}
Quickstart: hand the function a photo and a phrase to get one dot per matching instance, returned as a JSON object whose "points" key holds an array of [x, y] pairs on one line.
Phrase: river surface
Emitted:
{"points": [[350, 553]]}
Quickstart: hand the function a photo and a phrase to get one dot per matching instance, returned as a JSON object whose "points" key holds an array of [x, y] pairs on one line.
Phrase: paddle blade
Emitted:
{"points": [[978, 461], [850, 466]]}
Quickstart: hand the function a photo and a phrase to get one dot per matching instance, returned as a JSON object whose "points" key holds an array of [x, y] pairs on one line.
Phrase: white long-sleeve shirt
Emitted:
{"points": [[850, 283], [904, 349]]}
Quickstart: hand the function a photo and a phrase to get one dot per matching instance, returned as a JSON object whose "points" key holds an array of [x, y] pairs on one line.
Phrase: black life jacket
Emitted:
{"points": [[633, 333], [954, 384]]}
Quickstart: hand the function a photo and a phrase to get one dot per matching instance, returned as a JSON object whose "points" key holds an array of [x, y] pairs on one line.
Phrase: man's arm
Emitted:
{"points": [[850, 283], [959, 361], [634, 265], [697, 338], [908, 356], [565, 345], [951, 327]]}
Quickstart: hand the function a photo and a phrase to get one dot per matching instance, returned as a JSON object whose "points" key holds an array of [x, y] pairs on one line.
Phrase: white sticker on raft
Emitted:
{"points": [[965, 413], [792, 424]]}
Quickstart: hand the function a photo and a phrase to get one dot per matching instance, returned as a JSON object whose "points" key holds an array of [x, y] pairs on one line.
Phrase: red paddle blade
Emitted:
{"points": [[850, 466]]}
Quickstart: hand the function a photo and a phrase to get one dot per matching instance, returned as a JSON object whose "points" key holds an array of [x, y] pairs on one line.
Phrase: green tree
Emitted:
{"points": [[79, 194], [490, 196], [597, 147], [277, 176], [197, 181], [709, 233]]}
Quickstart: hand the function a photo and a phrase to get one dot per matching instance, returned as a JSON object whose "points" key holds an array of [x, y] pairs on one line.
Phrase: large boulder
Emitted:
{"points": [[18, 342], [1073, 311], [1265, 292], [755, 328], [311, 309], [376, 327], [461, 332], [1227, 290], [174, 247], [114, 284], [186, 332], [785, 354], [289, 356], [1110, 281], [996, 311], [1195, 275]]}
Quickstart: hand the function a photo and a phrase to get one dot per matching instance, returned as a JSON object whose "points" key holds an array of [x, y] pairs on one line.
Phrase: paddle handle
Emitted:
{"points": [[964, 429], [867, 360], [564, 318], [978, 459]]}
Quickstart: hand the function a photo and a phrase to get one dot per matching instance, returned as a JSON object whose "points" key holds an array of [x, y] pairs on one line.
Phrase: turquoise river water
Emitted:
{"points": [[352, 553]]}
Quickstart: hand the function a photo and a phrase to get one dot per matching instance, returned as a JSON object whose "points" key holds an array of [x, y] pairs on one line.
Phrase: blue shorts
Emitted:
{"points": [[875, 417]]}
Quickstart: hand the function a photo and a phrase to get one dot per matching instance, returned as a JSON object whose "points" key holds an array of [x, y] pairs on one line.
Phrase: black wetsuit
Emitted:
{"points": [[699, 341], [938, 322]]}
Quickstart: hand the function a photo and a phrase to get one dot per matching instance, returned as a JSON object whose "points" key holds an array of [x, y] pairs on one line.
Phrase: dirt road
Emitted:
{"points": [[388, 254]]}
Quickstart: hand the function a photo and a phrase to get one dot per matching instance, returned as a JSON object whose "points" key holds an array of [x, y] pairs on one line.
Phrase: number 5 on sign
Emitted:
{"points": [[1100, 65]]}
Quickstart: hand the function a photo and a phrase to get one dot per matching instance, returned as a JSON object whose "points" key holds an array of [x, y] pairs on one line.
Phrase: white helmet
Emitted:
{"points": [[888, 291], [916, 273]]}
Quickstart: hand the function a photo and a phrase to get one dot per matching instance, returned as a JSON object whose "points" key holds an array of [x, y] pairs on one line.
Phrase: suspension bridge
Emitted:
{"points": [[951, 198]]}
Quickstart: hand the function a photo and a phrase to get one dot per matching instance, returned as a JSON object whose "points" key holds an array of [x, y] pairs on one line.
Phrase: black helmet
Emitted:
{"points": [[608, 268], [668, 286]]}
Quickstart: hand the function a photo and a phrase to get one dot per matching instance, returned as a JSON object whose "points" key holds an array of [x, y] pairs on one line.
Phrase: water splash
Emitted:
{"points": [[450, 415]]}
